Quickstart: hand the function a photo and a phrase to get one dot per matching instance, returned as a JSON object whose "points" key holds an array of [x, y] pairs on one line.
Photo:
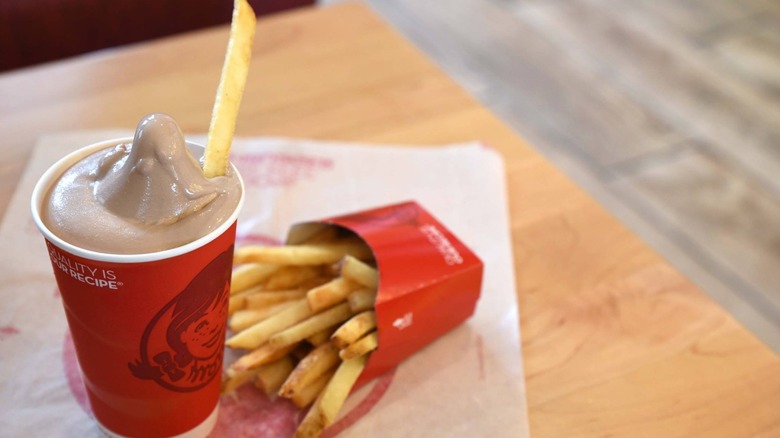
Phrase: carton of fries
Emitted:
{"points": [[429, 281], [345, 300]]}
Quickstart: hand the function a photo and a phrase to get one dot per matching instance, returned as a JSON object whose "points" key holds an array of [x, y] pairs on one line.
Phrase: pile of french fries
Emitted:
{"points": [[304, 316]]}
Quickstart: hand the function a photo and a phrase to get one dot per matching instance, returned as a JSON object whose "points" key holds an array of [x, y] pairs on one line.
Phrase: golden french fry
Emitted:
{"points": [[330, 401], [261, 298], [321, 337], [256, 335], [308, 393], [270, 377], [359, 272], [312, 424], [244, 318], [361, 300], [340, 385], [317, 362], [354, 329], [291, 277], [321, 321], [236, 303], [330, 293], [249, 275], [231, 87], [265, 354], [315, 282], [361, 347], [235, 378], [315, 254]]}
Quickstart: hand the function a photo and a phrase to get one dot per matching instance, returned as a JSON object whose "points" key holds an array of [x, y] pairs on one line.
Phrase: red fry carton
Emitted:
{"points": [[429, 281]]}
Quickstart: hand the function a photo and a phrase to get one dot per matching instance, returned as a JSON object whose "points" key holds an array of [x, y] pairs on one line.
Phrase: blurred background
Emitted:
{"points": [[666, 111]]}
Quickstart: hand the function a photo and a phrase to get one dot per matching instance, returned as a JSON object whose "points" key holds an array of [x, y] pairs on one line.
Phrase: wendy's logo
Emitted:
{"points": [[181, 348]]}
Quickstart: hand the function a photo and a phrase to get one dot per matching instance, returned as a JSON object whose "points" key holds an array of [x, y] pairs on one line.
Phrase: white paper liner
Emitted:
{"points": [[468, 383]]}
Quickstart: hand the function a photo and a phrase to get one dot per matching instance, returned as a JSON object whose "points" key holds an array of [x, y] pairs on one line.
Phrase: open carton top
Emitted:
{"points": [[429, 281]]}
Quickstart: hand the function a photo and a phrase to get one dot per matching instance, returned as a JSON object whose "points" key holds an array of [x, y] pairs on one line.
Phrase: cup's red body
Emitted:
{"points": [[149, 336], [148, 329]]}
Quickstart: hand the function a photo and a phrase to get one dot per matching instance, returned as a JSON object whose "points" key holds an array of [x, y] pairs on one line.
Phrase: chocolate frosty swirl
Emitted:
{"points": [[143, 197]]}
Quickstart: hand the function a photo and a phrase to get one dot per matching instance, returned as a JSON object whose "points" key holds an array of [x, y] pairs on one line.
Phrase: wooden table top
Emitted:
{"points": [[615, 341]]}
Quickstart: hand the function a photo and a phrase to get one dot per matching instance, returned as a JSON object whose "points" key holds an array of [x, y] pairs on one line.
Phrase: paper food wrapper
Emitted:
{"points": [[469, 382]]}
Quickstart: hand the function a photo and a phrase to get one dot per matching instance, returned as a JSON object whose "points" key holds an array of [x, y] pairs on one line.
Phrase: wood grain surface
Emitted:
{"points": [[616, 342], [613, 90]]}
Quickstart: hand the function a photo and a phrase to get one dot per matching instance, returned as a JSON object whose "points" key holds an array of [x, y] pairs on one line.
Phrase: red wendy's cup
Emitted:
{"points": [[429, 281], [148, 329]]}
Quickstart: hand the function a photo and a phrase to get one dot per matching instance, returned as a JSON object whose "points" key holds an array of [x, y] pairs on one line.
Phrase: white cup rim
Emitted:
{"points": [[64, 163]]}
